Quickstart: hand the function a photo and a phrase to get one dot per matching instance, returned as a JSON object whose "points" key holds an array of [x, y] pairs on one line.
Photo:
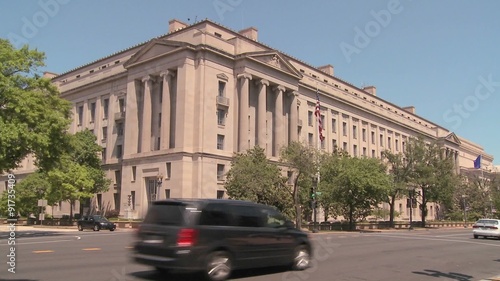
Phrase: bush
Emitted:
{"points": [[112, 214]]}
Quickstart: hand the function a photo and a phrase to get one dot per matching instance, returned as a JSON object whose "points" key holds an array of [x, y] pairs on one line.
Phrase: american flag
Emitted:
{"points": [[317, 112]]}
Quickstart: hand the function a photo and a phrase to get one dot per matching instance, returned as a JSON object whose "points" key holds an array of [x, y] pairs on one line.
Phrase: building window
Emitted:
{"points": [[400, 208], [105, 108], [104, 133], [119, 151], [220, 194], [118, 177], [121, 105], [344, 129], [363, 134], [364, 152], [373, 153], [373, 137], [132, 199], [222, 89], [355, 150], [92, 131], [119, 129], [354, 132], [220, 142], [310, 139], [344, 146], [310, 118], [134, 172], [289, 176], [159, 120], [389, 142], [103, 154], [220, 172], [381, 140], [168, 167], [221, 117], [99, 201], [397, 144], [80, 115], [167, 193], [403, 146], [92, 112], [334, 125], [334, 144]]}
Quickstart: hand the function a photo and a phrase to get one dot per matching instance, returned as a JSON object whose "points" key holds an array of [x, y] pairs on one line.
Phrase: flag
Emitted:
{"points": [[477, 162], [317, 112]]}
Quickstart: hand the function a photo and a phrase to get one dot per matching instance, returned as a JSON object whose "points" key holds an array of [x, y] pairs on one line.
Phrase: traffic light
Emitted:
{"points": [[311, 193]]}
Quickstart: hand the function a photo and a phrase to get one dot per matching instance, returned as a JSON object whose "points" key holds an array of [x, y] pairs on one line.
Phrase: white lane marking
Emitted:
{"points": [[437, 239]]}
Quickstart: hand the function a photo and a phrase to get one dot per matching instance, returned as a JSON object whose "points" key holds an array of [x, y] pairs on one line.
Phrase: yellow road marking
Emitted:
{"points": [[129, 247], [91, 249], [43, 251]]}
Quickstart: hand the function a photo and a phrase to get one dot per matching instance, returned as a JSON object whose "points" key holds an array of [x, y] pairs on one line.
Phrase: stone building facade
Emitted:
{"points": [[170, 113]]}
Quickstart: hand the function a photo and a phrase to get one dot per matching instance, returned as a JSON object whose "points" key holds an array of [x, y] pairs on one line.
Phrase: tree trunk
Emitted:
{"points": [[298, 212], [391, 212], [424, 207], [71, 211]]}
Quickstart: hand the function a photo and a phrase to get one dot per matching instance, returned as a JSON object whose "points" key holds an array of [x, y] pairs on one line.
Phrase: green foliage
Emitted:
{"points": [[27, 193], [33, 118], [302, 161], [252, 177], [354, 185]]}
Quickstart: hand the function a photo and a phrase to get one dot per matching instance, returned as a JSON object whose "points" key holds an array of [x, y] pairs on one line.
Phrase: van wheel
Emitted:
{"points": [[301, 258], [96, 227], [218, 267], [80, 228]]}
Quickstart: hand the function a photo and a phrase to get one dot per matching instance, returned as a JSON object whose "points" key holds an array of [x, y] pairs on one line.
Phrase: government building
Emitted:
{"points": [[170, 114]]}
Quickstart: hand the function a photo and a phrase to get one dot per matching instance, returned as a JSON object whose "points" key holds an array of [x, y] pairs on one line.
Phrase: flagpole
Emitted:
{"points": [[318, 146]]}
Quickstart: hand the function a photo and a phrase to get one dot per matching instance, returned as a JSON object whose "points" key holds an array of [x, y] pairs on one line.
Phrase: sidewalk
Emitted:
{"points": [[6, 228]]}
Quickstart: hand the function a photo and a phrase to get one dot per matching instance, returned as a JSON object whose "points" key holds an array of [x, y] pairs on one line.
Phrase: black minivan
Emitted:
{"points": [[216, 236]]}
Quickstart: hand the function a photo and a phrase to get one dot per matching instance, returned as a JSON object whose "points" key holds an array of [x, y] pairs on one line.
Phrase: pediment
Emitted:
{"points": [[274, 60], [154, 49], [452, 137]]}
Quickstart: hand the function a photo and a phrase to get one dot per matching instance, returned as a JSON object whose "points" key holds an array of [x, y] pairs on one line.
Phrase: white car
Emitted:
{"points": [[486, 228]]}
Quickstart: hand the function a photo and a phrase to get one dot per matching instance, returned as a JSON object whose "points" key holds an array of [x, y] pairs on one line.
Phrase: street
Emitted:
{"points": [[447, 254]]}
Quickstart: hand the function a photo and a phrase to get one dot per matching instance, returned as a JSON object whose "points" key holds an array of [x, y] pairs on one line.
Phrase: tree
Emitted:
{"points": [[254, 178], [356, 185], [78, 176], [33, 118], [432, 173], [301, 160], [27, 192], [399, 170]]}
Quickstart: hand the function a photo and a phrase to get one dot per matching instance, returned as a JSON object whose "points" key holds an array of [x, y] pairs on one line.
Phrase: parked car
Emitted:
{"points": [[486, 228], [217, 236], [96, 223]]}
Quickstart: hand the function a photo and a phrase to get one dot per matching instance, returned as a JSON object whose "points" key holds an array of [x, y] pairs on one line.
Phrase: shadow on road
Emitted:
{"points": [[27, 233], [450, 275], [156, 275]]}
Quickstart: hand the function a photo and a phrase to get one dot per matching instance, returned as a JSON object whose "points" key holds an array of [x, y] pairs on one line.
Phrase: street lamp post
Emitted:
{"points": [[159, 181], [314, 203], [410, 193]]}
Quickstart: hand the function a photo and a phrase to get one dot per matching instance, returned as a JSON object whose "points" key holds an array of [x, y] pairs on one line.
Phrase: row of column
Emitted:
{"points": [[147, 112], [278, 135]]}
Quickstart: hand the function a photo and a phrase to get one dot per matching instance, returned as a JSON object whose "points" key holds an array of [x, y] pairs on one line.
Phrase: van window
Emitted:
{"points": [[215, 214], [274, 218], [170, 214], [248, 216]]}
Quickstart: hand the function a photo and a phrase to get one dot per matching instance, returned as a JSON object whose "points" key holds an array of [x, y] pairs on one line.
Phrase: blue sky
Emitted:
{"points": [[440, 56]]}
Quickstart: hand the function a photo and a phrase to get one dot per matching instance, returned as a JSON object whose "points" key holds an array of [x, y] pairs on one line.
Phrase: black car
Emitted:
{"points": [[217, 236], [96, 223]]}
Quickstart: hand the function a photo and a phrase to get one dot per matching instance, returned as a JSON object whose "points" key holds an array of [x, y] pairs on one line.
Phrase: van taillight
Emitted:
{"points": [[186, 237]]}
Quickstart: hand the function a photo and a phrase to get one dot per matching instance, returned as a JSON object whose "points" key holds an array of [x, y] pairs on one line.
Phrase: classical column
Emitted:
{"points": [[261, 113], [243, 107], [278, 119], [294, 117], [146, 114], [165, 109]]}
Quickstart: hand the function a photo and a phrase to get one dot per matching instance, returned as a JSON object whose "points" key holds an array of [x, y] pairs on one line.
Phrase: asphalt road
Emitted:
{"points": [[395, 255]]}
